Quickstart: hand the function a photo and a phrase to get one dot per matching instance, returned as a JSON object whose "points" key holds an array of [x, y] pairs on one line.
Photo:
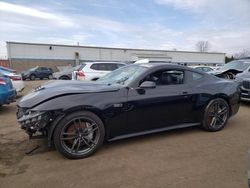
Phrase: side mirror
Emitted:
{"points": [[147, 84]]}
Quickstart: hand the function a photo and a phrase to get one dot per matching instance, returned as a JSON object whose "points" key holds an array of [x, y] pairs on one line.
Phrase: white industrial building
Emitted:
{"points": [[27, 55]]}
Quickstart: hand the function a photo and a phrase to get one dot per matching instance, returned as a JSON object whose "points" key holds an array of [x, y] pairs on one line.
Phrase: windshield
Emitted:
{"points": [[124, 75], [239, 65], [7, 69], [33, 69]]}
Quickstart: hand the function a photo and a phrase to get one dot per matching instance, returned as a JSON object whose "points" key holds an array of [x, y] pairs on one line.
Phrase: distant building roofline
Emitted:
{"points": [[81, 46]]}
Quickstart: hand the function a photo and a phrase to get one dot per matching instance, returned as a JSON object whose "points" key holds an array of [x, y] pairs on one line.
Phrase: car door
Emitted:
{"points": [[39, 72], [97, 70], [45, 72], [168, 104]]}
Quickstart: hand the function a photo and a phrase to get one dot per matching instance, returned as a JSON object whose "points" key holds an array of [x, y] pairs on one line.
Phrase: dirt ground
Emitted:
{"points": [[189, 157]]}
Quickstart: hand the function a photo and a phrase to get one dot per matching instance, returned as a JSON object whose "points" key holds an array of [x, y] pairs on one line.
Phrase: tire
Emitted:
{"points": [[79, 135], [225, 76], [228, 75], [50, 77], [64, 78], [32, 77], [216, 115], [231, 75], [94, 79]]}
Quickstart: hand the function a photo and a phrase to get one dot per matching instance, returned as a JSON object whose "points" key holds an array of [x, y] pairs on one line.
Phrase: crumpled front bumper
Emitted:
{"points": [[33, 121]]}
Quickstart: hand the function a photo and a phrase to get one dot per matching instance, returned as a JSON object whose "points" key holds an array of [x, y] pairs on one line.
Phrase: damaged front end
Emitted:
{"points": [[34, 121]]}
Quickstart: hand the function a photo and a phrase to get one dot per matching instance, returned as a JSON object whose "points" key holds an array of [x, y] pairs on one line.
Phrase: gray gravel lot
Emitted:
{"points": [[189, 157]]}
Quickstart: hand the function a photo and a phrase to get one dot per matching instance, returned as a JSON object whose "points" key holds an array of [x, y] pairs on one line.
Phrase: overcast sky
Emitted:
{"points": [[150, 24]]}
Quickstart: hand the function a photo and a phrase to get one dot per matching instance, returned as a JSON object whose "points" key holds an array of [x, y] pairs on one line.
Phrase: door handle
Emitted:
{"points": [[184, 92]]}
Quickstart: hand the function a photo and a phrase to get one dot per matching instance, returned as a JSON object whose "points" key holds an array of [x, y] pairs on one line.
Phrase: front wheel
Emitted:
{"points": [[50, 77], [79, 135], [216, 115], [228, 75]]}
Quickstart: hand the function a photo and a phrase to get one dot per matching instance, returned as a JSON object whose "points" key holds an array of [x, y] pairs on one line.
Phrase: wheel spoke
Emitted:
{"points": [[213, 122], [92, 141], [220, 120], [222, 111], [83, 139], [73, 145], [78, 146], [91, 125], [92, 130]]}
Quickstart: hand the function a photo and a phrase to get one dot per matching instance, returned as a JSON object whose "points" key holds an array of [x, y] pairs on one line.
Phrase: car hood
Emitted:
{"points": [[59, 88], [223, 70], [244, 75]]}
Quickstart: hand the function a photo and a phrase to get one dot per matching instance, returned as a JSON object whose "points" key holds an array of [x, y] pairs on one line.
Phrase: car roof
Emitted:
{"points": [[167, 65], [116, 62]]}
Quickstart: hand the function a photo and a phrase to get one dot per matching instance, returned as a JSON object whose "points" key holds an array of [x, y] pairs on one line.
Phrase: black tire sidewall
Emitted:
{"points": [[32, 77], [65, 120], [204, 123]]}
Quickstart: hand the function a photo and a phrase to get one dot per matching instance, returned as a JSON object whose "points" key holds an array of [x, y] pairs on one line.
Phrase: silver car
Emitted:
{"points": [[67, 73], [244, 80]]}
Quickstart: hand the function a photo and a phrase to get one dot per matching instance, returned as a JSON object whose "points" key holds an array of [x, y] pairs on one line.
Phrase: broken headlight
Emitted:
{"points": [[33, 121]]}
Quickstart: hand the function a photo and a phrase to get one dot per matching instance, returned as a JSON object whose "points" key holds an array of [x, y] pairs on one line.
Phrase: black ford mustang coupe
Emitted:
{"points": [[134, 100]]}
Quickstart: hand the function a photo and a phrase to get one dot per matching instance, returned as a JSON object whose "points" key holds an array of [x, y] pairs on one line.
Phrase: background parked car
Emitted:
{"points": [[7, 69], [231, 69], [38, 72], [7, 91], [67, 74], [15, 78], [202, 68], [244, 80], [95, 70]]}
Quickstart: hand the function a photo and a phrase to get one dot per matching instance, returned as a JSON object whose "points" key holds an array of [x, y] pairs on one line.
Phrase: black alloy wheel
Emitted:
{"points": [[79, 135], [216, 115]]}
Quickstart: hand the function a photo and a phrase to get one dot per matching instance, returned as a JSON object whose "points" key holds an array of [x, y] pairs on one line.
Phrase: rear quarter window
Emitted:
{"points": [[196, 76], [105, 66]]}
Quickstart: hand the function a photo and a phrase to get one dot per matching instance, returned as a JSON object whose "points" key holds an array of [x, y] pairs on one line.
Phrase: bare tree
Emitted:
{"points": [[242, 54], [202, 46]]}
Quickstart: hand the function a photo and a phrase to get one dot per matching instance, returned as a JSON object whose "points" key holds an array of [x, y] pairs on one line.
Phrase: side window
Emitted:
{"points": [[105, 66], [166, 77], [120, 65], [196, 76], [95, 66], [111, 66]]}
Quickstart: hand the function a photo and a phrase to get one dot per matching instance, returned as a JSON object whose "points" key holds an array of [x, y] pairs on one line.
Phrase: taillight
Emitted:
{"points": [[2, 82], [80, 73], [15, 78]]}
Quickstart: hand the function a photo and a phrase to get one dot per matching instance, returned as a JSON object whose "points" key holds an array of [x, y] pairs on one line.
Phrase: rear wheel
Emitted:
{"points": [[79, 135], [64, 78], [50, 77], [32, 77], [216, 115], [94, 79]]}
